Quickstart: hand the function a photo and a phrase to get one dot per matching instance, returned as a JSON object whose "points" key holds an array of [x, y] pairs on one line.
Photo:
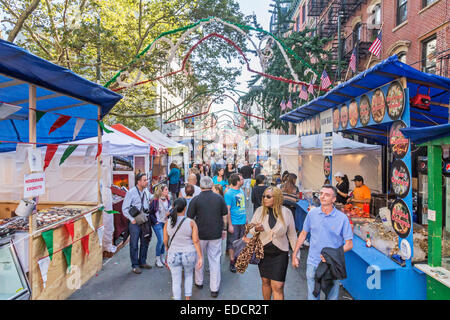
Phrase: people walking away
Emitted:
{"points": [[217, 188], [192, 180], [160, 208], [277, 230], [137, 199], [229, 170], [257, 168], [329, 228], [183, 248], [174, 180], [246, 172], [209, 211], [290, 192], [258, 190], [361, 194], [342, 187], [237, 217], [219, 178], [189, 194]]}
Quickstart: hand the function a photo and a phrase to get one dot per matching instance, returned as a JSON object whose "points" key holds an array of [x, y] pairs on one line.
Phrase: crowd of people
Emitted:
{"points": [[190, 224]]}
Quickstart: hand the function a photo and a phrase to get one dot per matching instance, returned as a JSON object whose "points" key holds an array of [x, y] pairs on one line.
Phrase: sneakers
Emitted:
{"points": [[137, 270], [145, 266], [232, 268], [199, 286], [214, 294], [306, 243], [159, 263]]}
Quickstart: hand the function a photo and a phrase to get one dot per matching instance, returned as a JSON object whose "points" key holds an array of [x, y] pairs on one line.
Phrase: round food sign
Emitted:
{"points": [[353, 113], [336, 119], [326, 167], [400, 179], [395, 100], [397, 141], [400, 218], [378, 106], [364, 110], [344, 116]]}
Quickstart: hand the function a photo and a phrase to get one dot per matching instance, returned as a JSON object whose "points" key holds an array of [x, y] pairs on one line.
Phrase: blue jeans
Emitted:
{"points": [[159, 228], [310, 272], [138, 255], [177, 262]]}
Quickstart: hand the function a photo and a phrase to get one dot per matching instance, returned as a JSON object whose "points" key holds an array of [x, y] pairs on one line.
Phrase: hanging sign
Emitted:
{"points": [[326, 121], [395, 100], [344, 116], [398, 143], [378, 106], [327, 167], [33, 185], [336, 119], [35, 160], [327, 146], [364, 110], [400, 218], [353, 113], [400, 179]]}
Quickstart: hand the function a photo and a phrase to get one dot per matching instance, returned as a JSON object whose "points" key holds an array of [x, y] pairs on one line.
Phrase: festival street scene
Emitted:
{"points": [[224, 150]]}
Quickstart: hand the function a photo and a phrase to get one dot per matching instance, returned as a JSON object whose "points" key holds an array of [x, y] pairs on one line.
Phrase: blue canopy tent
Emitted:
{"points": [[58, 91], [397, 280]]}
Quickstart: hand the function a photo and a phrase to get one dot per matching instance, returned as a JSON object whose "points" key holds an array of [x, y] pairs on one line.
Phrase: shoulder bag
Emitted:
{"points": [[170, 241], [139, 215]]}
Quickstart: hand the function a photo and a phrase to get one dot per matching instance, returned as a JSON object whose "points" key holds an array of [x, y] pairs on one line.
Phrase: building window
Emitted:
{"points": [[429, 55], [303, 14], [377, 15], [426, 3], [357, 33], [298, 24], [402, 56], [401, 11]]}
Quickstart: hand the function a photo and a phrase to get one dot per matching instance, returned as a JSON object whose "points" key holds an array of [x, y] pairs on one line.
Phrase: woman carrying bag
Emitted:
{"points": [[276, 228], [183, 248]]}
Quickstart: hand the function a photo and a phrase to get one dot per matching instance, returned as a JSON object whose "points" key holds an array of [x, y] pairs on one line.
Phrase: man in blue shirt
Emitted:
{"points": [[237, 215], [139, 197], [329, 227]]}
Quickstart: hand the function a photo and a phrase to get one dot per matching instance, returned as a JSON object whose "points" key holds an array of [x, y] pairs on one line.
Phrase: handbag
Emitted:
{"points": [[238, 246], [139, 215]]}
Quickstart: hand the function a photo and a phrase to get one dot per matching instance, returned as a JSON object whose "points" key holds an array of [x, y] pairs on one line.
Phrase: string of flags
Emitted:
{"points": [[47, 236]]}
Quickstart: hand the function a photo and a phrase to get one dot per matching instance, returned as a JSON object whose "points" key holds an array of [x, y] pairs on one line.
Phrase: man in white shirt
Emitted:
{"points": [[192, 180]]}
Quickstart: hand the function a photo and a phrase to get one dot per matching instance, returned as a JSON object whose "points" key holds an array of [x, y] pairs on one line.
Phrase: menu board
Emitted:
{"points": [[344, 116], [353, 113], [364, 110], [395, 100], [378, 106], [400, 179], [398, 143], [400, 218], [336, 119]]}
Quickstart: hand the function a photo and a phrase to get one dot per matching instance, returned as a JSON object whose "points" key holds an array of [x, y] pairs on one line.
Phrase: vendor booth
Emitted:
{"points": [[437, 141], [49, 244], [376, 105]]}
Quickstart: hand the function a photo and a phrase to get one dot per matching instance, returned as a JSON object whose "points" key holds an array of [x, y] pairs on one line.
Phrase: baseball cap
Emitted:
{"points": [[339, 174], [358, 178]]}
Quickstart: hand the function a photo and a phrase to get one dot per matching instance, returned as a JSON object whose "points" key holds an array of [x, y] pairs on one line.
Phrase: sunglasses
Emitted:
{"points": [[267, 196]]}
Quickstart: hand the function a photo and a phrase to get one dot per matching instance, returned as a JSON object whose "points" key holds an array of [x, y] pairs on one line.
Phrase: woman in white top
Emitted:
{"points": [[183, 248]]}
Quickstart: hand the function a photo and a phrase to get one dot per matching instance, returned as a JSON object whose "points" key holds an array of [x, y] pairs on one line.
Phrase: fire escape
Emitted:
{"points": [[328, 14]]}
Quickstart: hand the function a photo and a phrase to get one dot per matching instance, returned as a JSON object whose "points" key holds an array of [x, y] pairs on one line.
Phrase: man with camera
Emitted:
{"points": [[135, 208]]}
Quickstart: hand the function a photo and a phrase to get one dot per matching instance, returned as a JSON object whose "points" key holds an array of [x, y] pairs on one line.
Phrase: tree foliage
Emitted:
{"points": [[67, 33]]}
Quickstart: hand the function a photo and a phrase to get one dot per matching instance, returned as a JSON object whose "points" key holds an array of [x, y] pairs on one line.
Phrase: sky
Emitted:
{"points": [[248, 7]]}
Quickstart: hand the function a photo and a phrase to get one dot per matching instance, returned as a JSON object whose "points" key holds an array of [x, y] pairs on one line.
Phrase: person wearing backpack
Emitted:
{"points": [[183, 249]]}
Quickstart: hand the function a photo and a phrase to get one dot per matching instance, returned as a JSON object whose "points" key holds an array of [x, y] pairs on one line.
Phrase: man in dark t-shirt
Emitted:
{"points": [[209, 211]]}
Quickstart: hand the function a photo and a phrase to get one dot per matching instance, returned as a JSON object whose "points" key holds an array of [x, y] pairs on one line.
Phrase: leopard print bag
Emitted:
{"points": [[253, 250]]}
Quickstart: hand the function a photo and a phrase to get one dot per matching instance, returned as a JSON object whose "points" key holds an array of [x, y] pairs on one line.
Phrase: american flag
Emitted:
{"points": [[289, 104], [311, 88], [375, 48], [283, 105], [352, 63], [303, 94], [325, 80]]}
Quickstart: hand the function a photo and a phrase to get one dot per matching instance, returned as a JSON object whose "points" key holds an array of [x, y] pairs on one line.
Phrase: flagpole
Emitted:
{"points": [[371, 54]]}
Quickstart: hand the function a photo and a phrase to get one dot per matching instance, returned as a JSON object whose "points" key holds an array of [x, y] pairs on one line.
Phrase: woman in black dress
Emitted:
{"points": [[276, 228], [342, 187], [258, 190]]}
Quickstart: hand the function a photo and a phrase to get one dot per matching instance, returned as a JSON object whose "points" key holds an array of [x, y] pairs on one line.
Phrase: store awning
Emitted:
{"points": [[154, 146], [59, 92], [421, 135], [383, 73], [171, 145]]}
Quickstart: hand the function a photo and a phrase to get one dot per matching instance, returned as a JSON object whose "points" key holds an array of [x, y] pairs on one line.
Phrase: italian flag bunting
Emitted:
{"points": [[85, 244], [102, 125], [51, 150], [48, 239], [62, 120], [67, 153], [68, 255], [39, 115]]}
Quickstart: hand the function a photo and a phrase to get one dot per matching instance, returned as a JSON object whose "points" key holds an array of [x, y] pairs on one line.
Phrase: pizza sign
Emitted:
{"points": [[401, 218]]}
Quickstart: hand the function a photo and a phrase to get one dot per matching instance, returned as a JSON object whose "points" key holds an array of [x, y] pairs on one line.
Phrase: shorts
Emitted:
{"points": [[239, 232]]}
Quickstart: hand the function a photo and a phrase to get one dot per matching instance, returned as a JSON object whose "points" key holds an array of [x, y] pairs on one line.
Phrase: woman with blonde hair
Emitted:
{"points": [[276, 228]]}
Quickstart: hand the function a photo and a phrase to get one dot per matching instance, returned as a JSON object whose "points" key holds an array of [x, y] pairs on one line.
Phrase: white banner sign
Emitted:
{"points": [[326, 121], [327, 146], [33, 185]]}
